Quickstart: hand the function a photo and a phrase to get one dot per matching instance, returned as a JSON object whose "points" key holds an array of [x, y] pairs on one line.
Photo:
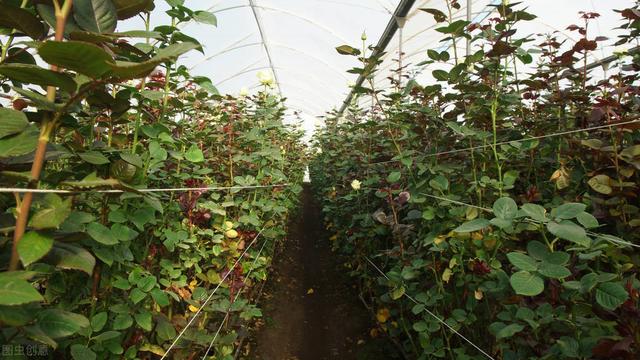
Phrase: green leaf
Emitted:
{"points": [[82, 352], [473, 225], [147, 283], [587, 220], [205, 17], [438, 15], [57, 323], [144, 320], [557, 257], [434, 55], [194, 154], [34, 332], [394, 177], [123, 233], [13, 17], [94, 157], [97, 16], [18, 292], [16, 315], [522, 261], [12, 122], [439, 183], [347, 50], [137, 295], [526, 283], [98, 321], [588, 282], [502, 223], [206, 84], [509, 330], [34, 246], [153, 95], [102, 234], [47, 13], [610, 295], [54, 212], [16, 275], [82, 57], [505, 208], [535, 212], [106, 336], [129, 70], [601, 183], [38, 100], [554, 271], [440, 75], [568, 230], [397, 292], [537, 249], [420, 326], [160, 297], [21, 144], [569, 210], [165, 330], [129, 8], [122, 321], [70, 256], [33, 74], [132, 159]]}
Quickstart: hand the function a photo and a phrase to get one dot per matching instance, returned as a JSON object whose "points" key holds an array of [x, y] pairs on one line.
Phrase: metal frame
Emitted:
{"points": [[265, 44], [392, 27]]}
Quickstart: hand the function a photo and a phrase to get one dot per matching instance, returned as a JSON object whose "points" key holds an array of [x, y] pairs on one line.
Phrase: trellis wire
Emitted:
{"points": [[568, 132], [133, 190], [226, 316], [591, 233], [434, 315], [195, 315]]}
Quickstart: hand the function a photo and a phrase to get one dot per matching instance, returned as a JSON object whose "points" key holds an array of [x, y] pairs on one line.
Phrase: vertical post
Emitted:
{"points": [[469, 18], [401, 21]]}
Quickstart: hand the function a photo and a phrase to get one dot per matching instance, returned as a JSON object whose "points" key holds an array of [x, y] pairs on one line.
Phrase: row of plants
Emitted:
{"points": [[479, 213], [105, 270]]}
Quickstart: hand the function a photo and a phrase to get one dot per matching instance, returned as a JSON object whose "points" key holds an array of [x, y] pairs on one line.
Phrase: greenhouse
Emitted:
{"points": [[319, 179]]}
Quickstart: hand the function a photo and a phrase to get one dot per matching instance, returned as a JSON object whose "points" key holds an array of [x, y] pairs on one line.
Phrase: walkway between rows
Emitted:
{"points": [[311, 310]]}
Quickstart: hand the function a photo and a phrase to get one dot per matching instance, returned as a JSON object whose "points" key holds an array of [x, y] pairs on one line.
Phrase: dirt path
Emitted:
{"points": [[327, 322]]}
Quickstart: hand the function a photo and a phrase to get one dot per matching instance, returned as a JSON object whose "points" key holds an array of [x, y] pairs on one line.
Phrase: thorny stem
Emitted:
{"points": [[46, 130], [143, 84]]}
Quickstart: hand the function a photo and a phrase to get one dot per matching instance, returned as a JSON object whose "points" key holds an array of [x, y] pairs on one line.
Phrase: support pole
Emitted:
{"points": [[469, 19], [263, 37], [401, 11], [401, 21]]}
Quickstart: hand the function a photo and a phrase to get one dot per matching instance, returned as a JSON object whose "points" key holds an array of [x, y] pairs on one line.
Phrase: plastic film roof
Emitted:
{"points": [[295, 40]]}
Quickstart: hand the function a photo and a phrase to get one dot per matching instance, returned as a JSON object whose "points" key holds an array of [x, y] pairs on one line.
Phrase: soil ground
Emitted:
{"points": [[310, 309]]}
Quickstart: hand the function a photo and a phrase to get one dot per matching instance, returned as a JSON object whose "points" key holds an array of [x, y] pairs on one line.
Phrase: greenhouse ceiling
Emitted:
{"points": [[295, 41]]}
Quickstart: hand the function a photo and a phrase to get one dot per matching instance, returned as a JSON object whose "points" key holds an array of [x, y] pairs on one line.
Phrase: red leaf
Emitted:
{"points": [[585, 45]]}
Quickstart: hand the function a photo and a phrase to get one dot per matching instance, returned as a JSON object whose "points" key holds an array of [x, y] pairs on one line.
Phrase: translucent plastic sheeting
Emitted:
{"points": [[296, 41], [293, 39], [553, 17]]}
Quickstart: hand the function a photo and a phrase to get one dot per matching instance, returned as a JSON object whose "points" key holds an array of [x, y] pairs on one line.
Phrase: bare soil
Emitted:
{"points": [[310, 309]]}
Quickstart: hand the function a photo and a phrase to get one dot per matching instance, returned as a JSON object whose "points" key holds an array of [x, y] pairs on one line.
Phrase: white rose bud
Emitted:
{"points": [[265, 78]]}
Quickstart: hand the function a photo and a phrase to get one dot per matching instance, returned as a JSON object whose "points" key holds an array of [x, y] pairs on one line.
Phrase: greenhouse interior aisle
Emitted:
{"points": [[322, 318]]}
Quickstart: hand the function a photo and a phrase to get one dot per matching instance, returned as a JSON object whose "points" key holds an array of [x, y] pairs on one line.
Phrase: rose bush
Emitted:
{"points": [[99, 274], [503, 197]]}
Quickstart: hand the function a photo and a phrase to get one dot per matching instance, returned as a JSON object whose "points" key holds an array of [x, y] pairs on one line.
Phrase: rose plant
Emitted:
{"points": [[502, 198], [106, 270]]}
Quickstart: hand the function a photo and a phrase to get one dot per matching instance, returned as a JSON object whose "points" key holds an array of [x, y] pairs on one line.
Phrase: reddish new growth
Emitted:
{"points": [[188, 201], [235, 281], [480, 267]]}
